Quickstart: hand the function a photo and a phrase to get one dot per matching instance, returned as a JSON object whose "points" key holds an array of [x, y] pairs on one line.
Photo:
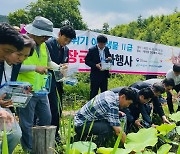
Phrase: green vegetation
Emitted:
{"points": [[81, 91], [59, 12], [160, 29], [3, 18]]}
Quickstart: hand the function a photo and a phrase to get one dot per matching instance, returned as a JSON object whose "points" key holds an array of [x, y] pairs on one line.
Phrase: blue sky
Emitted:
{"points": [[97, 12]]}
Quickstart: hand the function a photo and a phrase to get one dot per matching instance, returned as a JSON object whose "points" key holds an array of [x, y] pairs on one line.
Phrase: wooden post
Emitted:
{"points": [[43, 139]]}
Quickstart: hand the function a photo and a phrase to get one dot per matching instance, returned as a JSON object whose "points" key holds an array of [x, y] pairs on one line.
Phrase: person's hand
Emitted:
{"points": [[154, 126], [117, 130], [27, 89], [41, 69], [123, 139], [109, 58], [6, 117], [178, 94], [122, 114], [5, 104], [99, 66], [138, 123], [64, 66], [165, 120]]}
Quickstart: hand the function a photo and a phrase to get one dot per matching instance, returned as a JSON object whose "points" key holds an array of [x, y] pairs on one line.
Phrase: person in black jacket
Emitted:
{"points": [[158, 89], [59, 54], [138, 107], [95, 56], [141, 106]]}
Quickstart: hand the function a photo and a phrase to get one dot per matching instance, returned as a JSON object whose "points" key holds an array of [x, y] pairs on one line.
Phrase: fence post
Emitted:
{"points": [[43, 139]]}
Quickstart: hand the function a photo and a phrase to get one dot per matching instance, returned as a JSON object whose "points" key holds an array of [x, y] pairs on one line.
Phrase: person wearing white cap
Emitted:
{"points": [[34, 70]]}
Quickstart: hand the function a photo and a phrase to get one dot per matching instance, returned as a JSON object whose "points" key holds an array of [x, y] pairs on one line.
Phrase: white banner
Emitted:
{"points": [[129, 56]]}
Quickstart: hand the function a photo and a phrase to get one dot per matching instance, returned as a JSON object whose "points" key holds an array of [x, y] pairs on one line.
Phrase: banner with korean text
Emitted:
{"points": [[129, 56]]}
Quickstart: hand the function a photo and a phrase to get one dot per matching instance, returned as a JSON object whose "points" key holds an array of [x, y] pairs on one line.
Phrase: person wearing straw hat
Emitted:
{"points": [[34, 70]]}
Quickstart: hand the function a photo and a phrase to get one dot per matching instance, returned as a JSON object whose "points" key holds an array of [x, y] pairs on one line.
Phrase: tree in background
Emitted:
{"points": [[3, 18], [105, 28], [58, 11], [159, 29]]}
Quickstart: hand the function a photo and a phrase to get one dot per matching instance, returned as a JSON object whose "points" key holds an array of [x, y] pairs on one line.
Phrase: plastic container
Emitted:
{"points": [[58, 75], [45, 90], [71, 81], [106, 65], [66, 74], [17, 92]]}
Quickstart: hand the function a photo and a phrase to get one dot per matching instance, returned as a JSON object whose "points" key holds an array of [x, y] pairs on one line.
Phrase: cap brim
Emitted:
{"points": [[38, 32]]}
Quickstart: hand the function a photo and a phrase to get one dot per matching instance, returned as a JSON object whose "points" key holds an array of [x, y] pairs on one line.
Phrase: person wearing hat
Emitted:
{"points": [[34, 70]]}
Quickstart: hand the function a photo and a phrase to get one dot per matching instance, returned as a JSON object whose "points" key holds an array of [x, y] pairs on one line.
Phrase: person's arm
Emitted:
{"points": [[27, 68], [5, 117], [30, 68], [53, 65], [157, 106], [146, 117], [158, 109], [88, 59], [109, 58], [117, 130], [135, 112]]}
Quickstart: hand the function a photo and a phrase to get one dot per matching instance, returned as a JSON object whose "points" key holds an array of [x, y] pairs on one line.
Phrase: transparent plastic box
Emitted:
{"points": [[58, 75], [106, 65], [18, 92], [67, 74], [45, 89]]}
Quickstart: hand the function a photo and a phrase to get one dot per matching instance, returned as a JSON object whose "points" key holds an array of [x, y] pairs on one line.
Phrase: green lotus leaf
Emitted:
{"points": [[175, 116], [178, 130], [165, 128], [178, 150], [164, 149], [103, 150], [143, 138], [74, 151], [83, 146], [148, 152]]}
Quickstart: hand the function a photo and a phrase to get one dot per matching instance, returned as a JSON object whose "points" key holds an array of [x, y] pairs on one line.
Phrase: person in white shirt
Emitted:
{"points": [[175, 75], [8, 72]]}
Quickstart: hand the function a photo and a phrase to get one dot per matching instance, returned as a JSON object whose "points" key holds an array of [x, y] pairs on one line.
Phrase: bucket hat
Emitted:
{"points": [[40, 27]]}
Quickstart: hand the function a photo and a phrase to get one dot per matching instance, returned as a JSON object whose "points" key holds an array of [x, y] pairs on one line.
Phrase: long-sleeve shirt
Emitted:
{"points": [[157, 105], [105, 106]]}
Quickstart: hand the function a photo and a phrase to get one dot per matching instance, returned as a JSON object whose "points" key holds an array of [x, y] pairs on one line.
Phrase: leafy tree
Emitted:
{"points": [[58, 11], [140, 21], [160, 29], [18, 17], [3, 18], [105, 28]]}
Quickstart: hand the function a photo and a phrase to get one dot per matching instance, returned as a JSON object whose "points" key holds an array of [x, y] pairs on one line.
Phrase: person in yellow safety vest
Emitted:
{"points": [[33, 70]]}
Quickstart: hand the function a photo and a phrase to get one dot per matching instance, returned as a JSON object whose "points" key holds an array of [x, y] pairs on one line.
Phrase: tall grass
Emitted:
{"points": [[118, 80], [4, 141], [82, 89]]}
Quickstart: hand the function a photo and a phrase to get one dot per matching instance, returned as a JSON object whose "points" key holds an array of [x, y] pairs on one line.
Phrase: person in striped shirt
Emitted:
{"points": [[103, 112]]}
